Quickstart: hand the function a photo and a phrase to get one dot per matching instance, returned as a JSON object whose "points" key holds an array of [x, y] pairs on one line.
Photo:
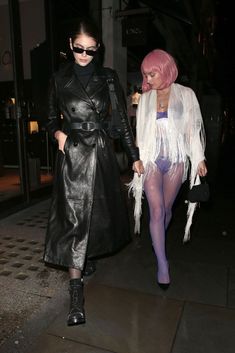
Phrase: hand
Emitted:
{"points": [[61, 138], [202, 169], [138, 167]]}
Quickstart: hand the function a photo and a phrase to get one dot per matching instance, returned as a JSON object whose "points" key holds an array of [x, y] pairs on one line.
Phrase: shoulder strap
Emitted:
{"points": [[116, 119], [112, 94], [111, 85]]}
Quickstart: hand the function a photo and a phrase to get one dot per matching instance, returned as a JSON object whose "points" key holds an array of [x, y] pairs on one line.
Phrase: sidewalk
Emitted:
{"points": [[126, 311]]}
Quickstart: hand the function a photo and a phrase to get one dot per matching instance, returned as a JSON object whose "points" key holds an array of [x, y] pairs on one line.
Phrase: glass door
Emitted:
{"points": [[26, 156], [9, 158]]}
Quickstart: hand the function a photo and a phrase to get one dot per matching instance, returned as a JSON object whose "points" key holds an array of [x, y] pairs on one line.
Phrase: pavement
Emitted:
{"points": [[126, 311]]}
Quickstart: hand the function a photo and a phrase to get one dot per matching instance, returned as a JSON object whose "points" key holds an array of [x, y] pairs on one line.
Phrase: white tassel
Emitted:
{"points": [[190, 212], [138, 209], [136, 187]]}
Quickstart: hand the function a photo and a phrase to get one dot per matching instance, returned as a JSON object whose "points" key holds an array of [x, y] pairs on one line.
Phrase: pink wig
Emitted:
{"points": [[159, 61]]}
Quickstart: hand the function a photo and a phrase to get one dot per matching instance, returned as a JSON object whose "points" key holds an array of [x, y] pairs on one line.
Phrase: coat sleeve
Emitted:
{"points": [[195, 145], [127, 134], [195, 133], [54, 120]]}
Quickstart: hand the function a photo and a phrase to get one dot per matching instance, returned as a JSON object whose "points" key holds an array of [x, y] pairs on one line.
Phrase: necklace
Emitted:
{"points": [[163, 102], [161, 105]]}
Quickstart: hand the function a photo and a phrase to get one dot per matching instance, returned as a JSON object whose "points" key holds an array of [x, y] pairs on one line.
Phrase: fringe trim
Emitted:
{"points": [[191, 209], [194, 179], [136, 188], [190, 213]]}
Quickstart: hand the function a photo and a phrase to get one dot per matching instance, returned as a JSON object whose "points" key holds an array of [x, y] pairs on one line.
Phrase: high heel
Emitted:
{"points": [[164, 286]]}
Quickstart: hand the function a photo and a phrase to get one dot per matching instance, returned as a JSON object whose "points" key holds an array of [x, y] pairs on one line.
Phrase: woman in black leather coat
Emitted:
{"points": [[88, 217]]}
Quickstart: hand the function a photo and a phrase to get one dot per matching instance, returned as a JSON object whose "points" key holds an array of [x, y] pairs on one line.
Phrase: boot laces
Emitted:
{"points": [[76, 297]]}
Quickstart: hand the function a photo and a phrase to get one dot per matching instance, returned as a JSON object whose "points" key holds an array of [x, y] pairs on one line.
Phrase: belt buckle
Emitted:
{"points": [[88, 126]]}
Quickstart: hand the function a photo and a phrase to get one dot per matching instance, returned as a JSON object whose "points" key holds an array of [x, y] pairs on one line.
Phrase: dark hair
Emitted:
{"points": [[86, 25]]}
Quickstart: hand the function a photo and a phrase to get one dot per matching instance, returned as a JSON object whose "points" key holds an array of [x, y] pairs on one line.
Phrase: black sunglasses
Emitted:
{"points": [[88, 51]]}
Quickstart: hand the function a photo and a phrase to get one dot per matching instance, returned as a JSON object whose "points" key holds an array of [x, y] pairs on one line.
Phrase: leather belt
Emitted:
{"points": [[89, 126]]}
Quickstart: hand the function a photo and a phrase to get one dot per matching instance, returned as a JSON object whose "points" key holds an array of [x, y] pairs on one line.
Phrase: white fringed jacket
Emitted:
{"points": [[185, 133]]}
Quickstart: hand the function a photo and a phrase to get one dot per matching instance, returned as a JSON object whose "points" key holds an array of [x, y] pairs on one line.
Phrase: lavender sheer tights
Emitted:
{"points": [[161, 188]]}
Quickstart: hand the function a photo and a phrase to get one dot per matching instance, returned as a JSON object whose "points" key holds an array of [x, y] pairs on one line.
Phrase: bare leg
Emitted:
{"points": [[74, 273]]}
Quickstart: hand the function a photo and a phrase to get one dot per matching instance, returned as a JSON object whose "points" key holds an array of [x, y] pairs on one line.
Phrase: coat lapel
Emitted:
{"points": [[72, 83]]}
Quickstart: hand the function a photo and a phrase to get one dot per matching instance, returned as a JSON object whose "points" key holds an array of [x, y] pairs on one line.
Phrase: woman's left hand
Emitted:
{"points": [[202, 169], [138, 167]]}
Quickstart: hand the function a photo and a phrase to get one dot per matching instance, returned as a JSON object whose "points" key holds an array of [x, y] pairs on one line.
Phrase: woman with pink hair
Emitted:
{"points": [[170, 136]]}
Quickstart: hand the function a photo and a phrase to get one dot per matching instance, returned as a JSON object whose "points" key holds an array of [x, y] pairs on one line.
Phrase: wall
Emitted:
{"points": [[115, 53]]}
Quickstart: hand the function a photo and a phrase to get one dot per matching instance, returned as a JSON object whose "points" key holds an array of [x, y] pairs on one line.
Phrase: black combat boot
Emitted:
{"points": [[76, 314]]}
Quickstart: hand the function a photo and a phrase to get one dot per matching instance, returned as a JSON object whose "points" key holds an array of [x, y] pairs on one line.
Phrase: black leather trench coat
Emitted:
{"points": [[88, 216]]}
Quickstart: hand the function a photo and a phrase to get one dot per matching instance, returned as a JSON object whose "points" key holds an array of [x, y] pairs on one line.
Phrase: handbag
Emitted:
{"points": [[121, 156], [199, 192], [123, 162]]}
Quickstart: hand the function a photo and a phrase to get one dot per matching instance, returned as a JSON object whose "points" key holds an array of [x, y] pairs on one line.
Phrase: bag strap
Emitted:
{"points": [[116, 119], [199, 180], [112, 93]]}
